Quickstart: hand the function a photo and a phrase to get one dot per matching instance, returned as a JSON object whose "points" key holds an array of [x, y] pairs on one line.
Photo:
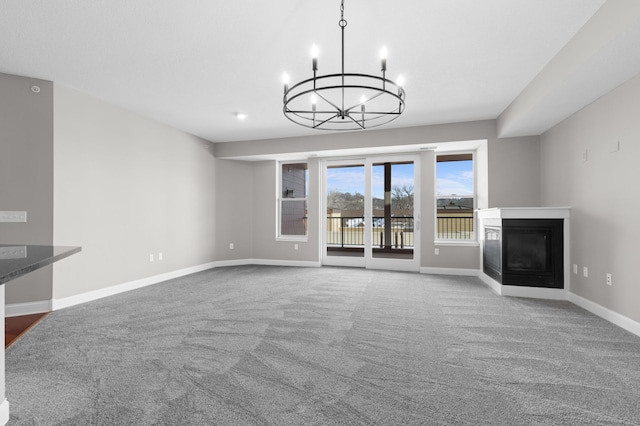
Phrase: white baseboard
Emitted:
{"points": [[89, 296], [606, 313], [28, 308], [273, 262], [534, 292], [523, 291], [620, 320], [450, 271], [4, 412], [234, 262], [491, 283]]}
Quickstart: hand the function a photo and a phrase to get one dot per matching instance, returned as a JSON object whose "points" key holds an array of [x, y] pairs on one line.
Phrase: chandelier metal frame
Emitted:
{"points": [[337, 112]]}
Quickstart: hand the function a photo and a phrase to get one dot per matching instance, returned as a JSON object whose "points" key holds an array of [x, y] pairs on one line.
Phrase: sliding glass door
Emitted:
{"points": [[372, 216], [345, 213]]}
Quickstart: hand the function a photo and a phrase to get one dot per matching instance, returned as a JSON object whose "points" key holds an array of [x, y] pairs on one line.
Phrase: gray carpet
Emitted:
{"points": [[259, 345]]}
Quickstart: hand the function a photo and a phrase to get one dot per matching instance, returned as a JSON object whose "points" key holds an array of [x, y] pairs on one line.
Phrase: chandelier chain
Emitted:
{"points": [[342, 22]]}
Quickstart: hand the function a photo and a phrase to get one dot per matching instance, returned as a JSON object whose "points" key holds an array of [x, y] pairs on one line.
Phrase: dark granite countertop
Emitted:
{"points": [[17, 260]]}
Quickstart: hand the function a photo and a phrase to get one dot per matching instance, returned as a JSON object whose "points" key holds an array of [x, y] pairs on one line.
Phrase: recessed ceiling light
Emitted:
{"points": [[241, 115]]}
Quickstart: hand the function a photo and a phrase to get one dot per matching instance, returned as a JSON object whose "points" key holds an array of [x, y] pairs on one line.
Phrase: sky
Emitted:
{"points": [[351, 179], [453, 177]]}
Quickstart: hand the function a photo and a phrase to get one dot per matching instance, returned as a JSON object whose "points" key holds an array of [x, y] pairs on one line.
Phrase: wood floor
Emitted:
{"points": [[15, 327]]}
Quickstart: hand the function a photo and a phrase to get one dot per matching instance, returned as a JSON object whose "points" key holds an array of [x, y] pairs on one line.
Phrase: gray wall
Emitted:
{"points": [[234, 209], [514, 172], [246, 213], [264, 216], [127, 187], [26, 175], [602, 193], [511, 172]]}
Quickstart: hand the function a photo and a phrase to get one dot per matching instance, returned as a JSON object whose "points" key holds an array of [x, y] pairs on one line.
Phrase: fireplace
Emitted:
{"points": [[524, 247], [532, 252]]}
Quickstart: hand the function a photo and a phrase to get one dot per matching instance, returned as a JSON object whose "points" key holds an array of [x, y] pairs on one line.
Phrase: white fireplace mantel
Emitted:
{"points": [[493, 217], [525, 213]]}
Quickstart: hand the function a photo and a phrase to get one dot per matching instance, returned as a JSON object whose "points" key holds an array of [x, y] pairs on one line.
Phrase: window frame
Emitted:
{"points": [[451, 241], [281, 200]]}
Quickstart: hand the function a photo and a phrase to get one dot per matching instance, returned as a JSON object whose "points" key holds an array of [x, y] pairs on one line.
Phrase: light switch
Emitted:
{"points": [[13, 252]]}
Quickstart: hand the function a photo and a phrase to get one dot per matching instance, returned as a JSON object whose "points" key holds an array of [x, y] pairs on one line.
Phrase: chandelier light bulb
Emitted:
{"points": [[383, 59], [314, 57], [314, 99], [285, 78], [400, 84], [363, 99]]}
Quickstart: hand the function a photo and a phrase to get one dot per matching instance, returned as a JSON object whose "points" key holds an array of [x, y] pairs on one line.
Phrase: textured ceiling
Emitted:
{"points": [[192, 64]]}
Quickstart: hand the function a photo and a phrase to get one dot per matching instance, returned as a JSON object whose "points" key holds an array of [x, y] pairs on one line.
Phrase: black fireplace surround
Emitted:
{"points": [[525, 252]]}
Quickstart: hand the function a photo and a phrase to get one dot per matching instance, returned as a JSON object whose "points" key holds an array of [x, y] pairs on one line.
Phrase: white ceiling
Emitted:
{"points": [[193, 64]]}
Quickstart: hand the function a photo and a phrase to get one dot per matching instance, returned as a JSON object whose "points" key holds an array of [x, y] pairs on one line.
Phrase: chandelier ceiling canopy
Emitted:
{"points": [[344, 101]]}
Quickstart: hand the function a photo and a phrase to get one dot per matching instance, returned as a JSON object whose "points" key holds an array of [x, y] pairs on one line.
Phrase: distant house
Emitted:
{"points": [[452, 206]]}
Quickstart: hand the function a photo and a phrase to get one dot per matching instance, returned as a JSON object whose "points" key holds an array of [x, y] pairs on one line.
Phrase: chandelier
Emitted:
{"points": [[344, 101]]}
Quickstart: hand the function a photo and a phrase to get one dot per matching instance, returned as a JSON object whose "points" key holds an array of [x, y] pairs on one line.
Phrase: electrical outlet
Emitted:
{"points": [[160, 256], [295, 247], [575, 269], [609, 279], [585, 271], [437, 252], [151, 258], [231, 247], [585, 156], [13, 216]]}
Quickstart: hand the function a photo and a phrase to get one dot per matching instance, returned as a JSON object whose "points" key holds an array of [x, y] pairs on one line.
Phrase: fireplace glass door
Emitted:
{"points": [[532, 252]]}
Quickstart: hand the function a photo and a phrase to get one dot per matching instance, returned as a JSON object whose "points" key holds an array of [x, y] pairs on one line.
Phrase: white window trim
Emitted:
{"points": [[452, 242], [457, 243], [280, 199]]}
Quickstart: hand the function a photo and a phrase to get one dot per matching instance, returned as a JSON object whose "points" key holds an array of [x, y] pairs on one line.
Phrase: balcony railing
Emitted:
{"points": [[349, 231], [455, 228]]}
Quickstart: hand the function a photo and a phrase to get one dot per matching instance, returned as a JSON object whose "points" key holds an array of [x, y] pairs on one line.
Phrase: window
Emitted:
{"points": [[455, 197], [292, 200]]}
